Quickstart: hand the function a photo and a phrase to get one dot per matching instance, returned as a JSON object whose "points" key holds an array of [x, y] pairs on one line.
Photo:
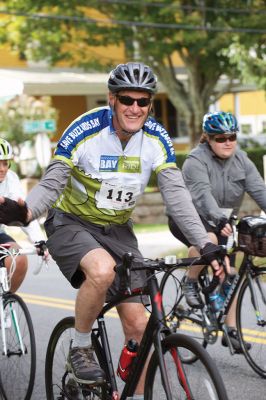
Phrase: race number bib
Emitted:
{"points": [[117, 197]]}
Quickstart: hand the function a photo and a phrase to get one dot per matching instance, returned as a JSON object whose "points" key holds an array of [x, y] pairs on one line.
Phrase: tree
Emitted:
{"points": [[18, 110], [200, 34], [13, 114]]}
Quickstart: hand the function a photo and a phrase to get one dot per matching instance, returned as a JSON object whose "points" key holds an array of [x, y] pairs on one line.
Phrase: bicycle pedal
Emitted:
{"points": [[72, 389], [181, 312], [210, 334]]}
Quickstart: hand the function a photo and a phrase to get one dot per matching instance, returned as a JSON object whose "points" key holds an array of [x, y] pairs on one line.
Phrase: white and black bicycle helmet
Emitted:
{"points": [[6, 152], [132, 76]]}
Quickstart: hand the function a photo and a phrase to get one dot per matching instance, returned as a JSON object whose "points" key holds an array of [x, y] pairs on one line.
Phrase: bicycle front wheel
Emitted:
{"points": [[18, 366], [200, 380], [251, 320], [180, 316]]}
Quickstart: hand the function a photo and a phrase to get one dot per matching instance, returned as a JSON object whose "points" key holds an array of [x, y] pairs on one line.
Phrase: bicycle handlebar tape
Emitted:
{"points": [[11, 213], [211, 252]]}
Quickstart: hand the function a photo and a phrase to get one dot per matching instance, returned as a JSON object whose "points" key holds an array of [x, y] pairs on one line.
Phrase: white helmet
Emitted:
{"points": [[6, 152]]}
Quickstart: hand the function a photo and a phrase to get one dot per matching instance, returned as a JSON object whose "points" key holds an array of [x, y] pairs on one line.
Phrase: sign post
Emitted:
{"points": [[37, 126]]}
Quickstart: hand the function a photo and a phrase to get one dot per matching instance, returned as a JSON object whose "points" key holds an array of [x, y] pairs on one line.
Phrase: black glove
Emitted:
{"points": [[11, 213], [223, 221], [212, 252]]}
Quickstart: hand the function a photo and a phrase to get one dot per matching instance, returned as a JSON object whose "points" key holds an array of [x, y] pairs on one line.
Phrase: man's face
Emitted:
{"points": [[130, 117], [4, 165], [223, 145]]}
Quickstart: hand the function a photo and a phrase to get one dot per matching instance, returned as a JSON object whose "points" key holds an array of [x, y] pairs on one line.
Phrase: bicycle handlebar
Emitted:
{"points": [[38, 248], [161, 264]]}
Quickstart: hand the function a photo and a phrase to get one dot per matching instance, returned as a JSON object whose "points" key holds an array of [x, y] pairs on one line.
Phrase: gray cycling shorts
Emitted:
{"points": [[70, 238]]}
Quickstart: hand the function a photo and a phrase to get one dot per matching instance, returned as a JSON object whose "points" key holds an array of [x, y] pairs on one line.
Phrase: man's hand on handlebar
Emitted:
{"points": [[216, 257]]}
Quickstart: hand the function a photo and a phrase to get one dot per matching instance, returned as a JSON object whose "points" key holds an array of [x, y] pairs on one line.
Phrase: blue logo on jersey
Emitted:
{"points": [[109, 163]]}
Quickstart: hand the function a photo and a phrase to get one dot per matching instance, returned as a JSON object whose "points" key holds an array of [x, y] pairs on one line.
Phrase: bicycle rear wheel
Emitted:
{"points": [[249, 325], [180, 316], [59, 382], [18, 367], [200, 380]]}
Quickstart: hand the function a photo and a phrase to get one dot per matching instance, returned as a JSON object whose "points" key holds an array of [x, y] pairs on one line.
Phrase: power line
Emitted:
{"points": [[186, 7], [133, 23]]}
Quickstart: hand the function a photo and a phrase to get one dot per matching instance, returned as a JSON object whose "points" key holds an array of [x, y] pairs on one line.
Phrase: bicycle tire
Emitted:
{"points": [[59, 382], [247, 325], [202, 377], [18, 369], [179, 316], [2, 393]]}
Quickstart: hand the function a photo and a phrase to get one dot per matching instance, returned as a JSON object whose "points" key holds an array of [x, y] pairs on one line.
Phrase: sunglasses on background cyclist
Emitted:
{"points": [[129, 101], [223, 139]]}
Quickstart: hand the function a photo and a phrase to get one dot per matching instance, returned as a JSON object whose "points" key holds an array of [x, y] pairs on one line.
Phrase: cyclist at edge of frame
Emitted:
{"points": [[101, 165], [218, 174], [11, 187]]}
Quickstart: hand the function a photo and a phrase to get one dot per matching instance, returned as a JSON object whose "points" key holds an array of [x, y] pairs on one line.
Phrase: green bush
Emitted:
{"points": [[255, 154]]}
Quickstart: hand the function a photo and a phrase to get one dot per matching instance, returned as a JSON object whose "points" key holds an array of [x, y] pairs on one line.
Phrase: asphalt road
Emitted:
{"points": [[50, 298]]}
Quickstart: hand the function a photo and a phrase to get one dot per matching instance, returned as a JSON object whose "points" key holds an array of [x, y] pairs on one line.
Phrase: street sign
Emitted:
{"points": [[36, 126]]}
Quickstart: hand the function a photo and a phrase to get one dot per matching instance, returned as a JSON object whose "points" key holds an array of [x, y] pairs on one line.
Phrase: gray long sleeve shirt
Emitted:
{"points": [[215, 184], [174, 192]]}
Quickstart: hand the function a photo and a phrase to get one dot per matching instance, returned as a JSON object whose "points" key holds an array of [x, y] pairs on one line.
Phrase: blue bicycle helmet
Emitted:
{"points": [[220, 122], [132, 76]]}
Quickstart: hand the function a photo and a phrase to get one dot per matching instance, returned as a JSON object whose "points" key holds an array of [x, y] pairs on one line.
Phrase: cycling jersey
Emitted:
{"points": [[11, 187], [107, 179]]}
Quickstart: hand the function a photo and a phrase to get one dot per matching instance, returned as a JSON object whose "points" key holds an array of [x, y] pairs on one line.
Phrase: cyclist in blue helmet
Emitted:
{"points": [[218, 174]]}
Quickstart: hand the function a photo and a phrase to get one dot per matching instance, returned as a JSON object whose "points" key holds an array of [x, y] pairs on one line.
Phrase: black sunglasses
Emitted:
{"points": [[223, 139], [129, 101]]}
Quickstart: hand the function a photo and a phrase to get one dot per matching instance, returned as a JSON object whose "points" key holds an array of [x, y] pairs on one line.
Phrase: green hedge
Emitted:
{"points": [[255, 154]]}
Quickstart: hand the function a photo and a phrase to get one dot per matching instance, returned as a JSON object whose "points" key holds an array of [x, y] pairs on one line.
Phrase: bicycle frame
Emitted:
{"points": [[216, 322], [246, 269], [155, 326]]}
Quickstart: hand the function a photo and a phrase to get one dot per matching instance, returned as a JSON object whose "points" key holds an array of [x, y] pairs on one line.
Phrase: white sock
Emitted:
{"points": [[138, 397], [81, 339]]}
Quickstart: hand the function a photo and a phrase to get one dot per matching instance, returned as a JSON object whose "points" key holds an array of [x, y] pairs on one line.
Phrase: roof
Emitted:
{"points": [[41, 81]]}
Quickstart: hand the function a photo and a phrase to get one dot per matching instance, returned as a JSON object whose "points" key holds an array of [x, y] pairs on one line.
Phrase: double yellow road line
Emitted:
{"points": [[63, 304], [55, 302]]}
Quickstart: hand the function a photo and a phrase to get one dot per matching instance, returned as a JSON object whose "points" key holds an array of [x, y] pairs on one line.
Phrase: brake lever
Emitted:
{"points": [[123, 269]]}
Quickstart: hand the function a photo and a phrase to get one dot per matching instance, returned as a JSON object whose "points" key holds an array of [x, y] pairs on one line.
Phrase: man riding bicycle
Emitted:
{"points": [[101, 166], [217, 174]]}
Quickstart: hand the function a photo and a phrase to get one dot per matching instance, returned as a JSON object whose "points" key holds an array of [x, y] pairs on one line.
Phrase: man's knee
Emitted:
{"points": [[98, 267]]}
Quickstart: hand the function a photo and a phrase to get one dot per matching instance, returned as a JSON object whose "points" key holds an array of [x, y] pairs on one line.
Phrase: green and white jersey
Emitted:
{"points": [[107, 179]]}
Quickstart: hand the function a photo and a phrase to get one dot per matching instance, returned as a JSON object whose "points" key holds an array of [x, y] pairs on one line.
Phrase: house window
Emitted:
{"points": [[166, 114], [246, 129], [263, 127]]}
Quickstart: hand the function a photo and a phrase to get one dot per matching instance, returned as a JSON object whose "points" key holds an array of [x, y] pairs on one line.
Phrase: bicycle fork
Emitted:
{"points": [[14, 320]]}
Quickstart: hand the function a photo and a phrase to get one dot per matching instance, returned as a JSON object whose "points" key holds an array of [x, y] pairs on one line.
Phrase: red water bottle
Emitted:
{"points": [[128, 354]]}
